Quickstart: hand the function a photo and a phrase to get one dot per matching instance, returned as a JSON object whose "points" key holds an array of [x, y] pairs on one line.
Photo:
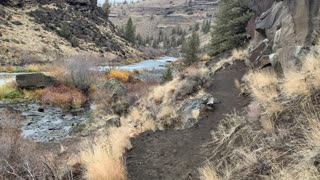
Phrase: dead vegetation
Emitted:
{"points": [[279, 136], [156, 108], [19, 158]]}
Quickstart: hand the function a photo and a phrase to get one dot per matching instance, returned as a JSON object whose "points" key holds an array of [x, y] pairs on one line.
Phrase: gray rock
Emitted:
{"points": [[205, 103], [120, 108], [33, 81], [190, 122], [113, 122], [115, 88], [257, 52], [52, 125]]}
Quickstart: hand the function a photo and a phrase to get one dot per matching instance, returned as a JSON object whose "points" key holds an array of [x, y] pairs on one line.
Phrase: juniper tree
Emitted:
{"points": [[130, 31], [190, 48], [229, 31], [167, 75], [106, 8]]}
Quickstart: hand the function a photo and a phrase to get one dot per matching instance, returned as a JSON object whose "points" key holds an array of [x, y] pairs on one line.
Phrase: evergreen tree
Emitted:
{"points": [[155, 44], [181, 41], [229, 31], [203, 27], [190, 48], [173, 31], [173, 42], [167, 75], [106, 7], [130, 31], [139, 40], [206, 26], [197, 27]]}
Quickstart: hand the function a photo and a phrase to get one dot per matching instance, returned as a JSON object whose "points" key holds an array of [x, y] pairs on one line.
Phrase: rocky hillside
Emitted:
{"points": [[153, 16], [42, 30]]}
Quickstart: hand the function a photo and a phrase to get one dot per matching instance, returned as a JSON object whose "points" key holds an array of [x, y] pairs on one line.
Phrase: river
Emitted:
{"points": [[149, 64], [43, 123]]}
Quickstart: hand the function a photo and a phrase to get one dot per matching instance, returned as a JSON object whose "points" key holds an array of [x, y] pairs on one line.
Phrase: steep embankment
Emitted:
{"points": [[173, 154], [34, 32]]}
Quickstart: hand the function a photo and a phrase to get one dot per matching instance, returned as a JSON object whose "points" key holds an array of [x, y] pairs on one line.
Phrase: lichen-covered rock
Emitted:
{"points": [[115, 88]]}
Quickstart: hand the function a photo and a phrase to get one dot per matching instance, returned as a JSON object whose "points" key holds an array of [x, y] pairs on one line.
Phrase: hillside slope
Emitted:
{"points": [[31, 31], [153, 16]]}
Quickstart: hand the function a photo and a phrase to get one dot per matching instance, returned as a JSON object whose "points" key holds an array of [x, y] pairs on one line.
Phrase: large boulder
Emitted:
{"points": [[115, 88], [33, 81]]}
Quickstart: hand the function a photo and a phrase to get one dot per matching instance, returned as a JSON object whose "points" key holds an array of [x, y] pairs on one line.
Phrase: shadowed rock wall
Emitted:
{"points": [[288, 28]]}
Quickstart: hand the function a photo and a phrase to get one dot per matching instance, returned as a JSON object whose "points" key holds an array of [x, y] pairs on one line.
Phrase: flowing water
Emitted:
{"points": [[150, 64], [43, 123]]}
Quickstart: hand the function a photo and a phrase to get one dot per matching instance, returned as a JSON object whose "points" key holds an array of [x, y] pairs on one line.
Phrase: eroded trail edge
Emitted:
{"points": [[173, 154]]}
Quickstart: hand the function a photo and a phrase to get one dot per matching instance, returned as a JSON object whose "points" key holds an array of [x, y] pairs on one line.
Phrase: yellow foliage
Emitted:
{"points": [[32, 94], [120, 75], [34, 68], [205, 57], [8, 69]]}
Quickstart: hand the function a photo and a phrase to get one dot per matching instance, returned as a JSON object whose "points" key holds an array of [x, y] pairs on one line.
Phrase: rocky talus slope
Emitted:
{"points": [[41, 30]]}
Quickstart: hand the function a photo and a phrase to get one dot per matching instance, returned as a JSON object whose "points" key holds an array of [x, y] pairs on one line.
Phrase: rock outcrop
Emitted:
{"points": [[287, 30]]}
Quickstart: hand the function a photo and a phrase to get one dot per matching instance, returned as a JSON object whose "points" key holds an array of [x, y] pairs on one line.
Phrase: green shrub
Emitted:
{"points": [[9, 91]]}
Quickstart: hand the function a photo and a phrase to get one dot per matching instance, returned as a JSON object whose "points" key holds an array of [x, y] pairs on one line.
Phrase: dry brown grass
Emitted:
{"points": [[305, 81], [263, 85], [19, 158], [103, 157], [240, 53], [208, 173], [267, 144], [63, 97]]}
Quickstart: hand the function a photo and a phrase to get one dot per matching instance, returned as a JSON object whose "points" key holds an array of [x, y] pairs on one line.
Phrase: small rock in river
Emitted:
{"points": [[40, 109]]}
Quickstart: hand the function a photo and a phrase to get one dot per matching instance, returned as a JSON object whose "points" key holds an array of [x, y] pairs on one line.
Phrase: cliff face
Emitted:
{"points": [[285, 30], [60, 27]]}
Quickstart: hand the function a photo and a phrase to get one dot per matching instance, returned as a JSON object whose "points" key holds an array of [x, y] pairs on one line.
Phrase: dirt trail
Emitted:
{"points": [[177, 155]]}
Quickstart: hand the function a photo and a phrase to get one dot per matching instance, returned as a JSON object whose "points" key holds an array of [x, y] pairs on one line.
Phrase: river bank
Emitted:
{"points": [[45, 123]]}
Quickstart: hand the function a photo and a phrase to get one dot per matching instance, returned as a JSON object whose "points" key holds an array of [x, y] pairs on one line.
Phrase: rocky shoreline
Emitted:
{"points": [[42, 123]]}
